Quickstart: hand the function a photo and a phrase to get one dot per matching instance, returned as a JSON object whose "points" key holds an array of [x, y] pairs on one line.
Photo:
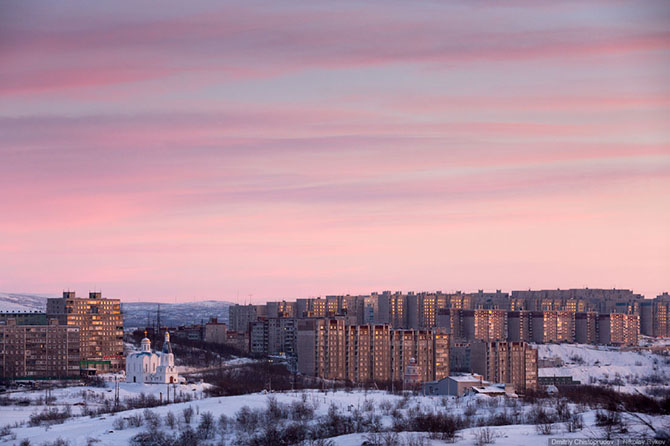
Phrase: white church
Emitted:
{"points": [[152, 368]]}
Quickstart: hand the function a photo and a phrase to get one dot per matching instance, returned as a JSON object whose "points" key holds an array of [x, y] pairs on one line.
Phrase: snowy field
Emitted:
{"points": [[379, 408], [592, 364]]}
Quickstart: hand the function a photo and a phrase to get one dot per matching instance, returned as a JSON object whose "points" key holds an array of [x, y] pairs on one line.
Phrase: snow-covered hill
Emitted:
{"points": [[587, 363], [23, 301], [118, 429]]}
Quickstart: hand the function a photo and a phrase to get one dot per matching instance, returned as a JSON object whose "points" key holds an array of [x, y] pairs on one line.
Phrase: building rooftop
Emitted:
{"points": [[466, 378]]}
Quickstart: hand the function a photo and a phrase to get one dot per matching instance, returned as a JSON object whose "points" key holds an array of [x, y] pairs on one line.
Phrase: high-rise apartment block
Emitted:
{"points": [[618, 329], [330, 349], [281, 309], [519, 326], [100, 328], [505, 362], [39, 351], [273, 336], [586, 328], [240, 316], [655, 316], [490, 325]]}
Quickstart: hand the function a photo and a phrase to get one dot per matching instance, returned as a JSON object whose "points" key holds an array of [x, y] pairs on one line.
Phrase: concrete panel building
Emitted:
{"points": [[330, 349], [519, 326], [240, 316], [39, 351], [506, 362], [215, 331], [101, 328], [618, 329], [586, 331]]}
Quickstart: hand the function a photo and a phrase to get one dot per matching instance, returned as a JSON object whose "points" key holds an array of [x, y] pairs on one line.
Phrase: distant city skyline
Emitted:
{"points": [[209, 150]]}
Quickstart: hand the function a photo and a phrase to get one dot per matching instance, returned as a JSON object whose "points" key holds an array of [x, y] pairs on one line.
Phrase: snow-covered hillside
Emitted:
{"points": [[372, 406], [23, 301], [587, 363]]}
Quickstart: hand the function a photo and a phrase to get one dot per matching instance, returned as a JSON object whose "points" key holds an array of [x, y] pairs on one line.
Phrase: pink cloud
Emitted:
{"points": [[244, 42]]}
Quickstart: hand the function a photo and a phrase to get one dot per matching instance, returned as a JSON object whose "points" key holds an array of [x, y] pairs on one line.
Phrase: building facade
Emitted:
{"points": [[39, 351], [506, 362], [330, 349], [101, 328]]}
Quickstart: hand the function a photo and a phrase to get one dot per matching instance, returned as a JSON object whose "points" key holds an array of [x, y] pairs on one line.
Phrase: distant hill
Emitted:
{"points": [[24, 301], [134, 313]]}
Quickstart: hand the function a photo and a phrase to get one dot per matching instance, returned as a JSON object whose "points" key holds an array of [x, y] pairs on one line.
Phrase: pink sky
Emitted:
{"points": [[204, 150]]}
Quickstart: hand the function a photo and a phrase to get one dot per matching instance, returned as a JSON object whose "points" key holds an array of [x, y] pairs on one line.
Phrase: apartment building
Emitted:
{"points": [[330, 349], [273, 336], [215, 331], [661, 315], [461, 301], [552, 326], [392, 309], [100, 325], [655, 316], [310, 308], [39, 351], [581, 300], [505, 362], [240, 316], [281, 309], [586, 328], [618, 329], [421, 310], [519, 326], [490, 325]]}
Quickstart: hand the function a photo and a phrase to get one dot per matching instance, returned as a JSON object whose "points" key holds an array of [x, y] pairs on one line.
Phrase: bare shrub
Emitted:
{"points": [[187, 437], [470, 410], [562, 409], [50, 416], [135, 420], [368, 405], [382, 439], [246, 419], [187, 413], [119, 424], [484, 436], [152, 419], [544, 428], [610, 422], [207, 426], [223, 424], [57, 442], [575, 423], [275, 410], [439, 425], [301, 410], [152, 438], [170, 420], [415, 440], [5, 431], [577, 359]]}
